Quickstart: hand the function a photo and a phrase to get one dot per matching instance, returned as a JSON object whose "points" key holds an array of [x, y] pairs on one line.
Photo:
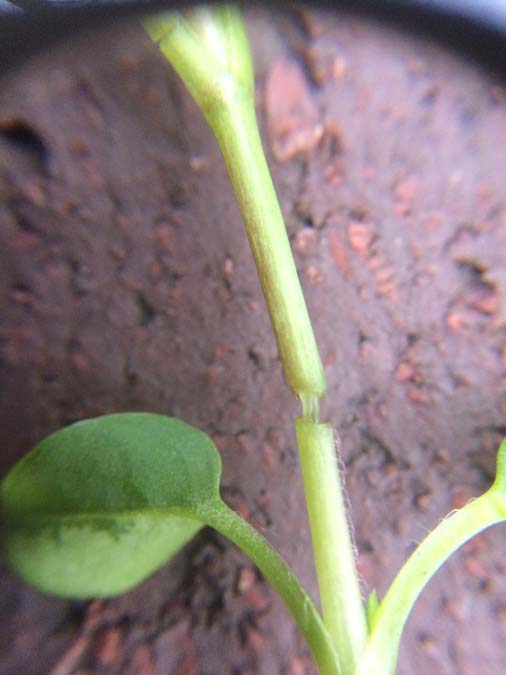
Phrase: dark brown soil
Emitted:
{"points": [[126, 284]]}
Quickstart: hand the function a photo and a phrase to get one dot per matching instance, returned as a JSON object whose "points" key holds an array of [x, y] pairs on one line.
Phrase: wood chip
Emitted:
{"points": [[293, 123]]}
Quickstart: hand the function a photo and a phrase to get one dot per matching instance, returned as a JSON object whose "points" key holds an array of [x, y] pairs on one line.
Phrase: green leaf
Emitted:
{"points": [[98, 506]]}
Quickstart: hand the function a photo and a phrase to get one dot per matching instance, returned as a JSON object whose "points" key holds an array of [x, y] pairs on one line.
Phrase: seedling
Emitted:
{"points": [[77, 506]]}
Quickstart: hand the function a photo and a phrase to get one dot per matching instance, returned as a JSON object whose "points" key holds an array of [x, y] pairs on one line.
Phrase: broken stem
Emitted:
{"points": [[209, 50], [343, 612]]}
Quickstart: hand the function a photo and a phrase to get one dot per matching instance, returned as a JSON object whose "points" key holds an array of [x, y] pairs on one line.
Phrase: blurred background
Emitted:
{"points": [[126, 284]]}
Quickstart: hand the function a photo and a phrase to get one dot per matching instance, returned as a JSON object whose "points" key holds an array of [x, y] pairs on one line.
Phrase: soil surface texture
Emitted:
{"points": [[126, 283]]}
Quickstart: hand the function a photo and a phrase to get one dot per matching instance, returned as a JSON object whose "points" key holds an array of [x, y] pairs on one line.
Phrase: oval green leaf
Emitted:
{"points": [[98, 506]]}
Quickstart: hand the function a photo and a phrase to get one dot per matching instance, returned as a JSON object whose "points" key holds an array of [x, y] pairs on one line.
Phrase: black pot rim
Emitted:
{"points": [[474, 28]]}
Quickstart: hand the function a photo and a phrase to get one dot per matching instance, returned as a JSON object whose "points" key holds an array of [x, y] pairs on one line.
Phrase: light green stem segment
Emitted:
{"points": [[216, 67], [283, 580], [341, 600], [209, 50], [237, 133], [380, 656]]}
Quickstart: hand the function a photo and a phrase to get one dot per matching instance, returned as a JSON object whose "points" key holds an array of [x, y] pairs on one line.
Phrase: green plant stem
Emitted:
{"points": [[209, 50], [343, 611], [333, 549], [458, 527], [283, 580], [216, 67], [236, 130]]}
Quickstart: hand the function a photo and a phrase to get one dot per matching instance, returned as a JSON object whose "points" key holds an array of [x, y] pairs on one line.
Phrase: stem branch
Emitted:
{"points": [[458, 527], [283, 580]]}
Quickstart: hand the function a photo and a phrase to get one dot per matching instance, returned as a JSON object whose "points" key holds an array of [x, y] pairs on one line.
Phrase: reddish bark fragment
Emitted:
{"points": [[293, 123], [313, 274], [338, 253], [360, 236], [108, 646], [418, 395], [484, 301], [406, 190], [258, 599], [245, 580], [143, 662], [70, 660], [255, 639], [305, 241], [329, 360], [405, 371], [476, 568]]}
